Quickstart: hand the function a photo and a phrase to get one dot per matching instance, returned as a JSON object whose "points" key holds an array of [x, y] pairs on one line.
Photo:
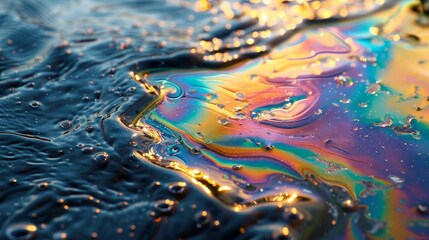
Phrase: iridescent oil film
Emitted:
{"points": [[221, 119]]}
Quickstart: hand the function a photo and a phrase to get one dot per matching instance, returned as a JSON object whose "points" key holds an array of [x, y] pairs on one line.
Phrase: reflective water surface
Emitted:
{"points": [[238, 119]]}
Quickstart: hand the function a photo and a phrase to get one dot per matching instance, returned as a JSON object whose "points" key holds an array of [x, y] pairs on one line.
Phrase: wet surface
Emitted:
{"points": [[194, 119]]}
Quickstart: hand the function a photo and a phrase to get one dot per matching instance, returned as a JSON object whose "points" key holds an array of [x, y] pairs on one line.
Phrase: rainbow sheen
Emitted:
{"points": [[317, 105]]}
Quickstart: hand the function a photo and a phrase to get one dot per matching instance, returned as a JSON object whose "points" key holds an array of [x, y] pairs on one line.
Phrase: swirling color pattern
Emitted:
{"points": [[345, 106]]}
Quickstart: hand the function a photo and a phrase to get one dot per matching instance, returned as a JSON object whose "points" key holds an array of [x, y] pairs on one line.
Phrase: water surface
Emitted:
{"points": [[213, 119]]}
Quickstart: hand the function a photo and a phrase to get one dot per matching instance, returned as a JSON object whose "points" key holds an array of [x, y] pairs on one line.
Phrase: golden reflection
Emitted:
{"points": [[203, 5], [31, 228], [285, 231], [278, 17], [292, 198]]}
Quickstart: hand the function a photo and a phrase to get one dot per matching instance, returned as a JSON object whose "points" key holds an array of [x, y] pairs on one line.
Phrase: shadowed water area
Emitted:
{"points": [[214, 119]]}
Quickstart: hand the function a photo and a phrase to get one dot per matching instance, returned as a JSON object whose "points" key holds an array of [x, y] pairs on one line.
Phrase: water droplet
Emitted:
{"points": [[349, 206], [422, 209], [87, 150], [345, 101], [199, 134], [35, 104], [373, 88], [318, 112], [387, 122], [177, 188], [224, 121], [203, 218], [65, 124], [101, 158], [174, 149], [165, 206], [240, 96], [407, 128], [269, 147], [395, 179], [21, 231], [195, 151], [89, 129], [43, 185], [97, 95], [240, 116], [363, 104], [13, 181], [237, 167], [287, 105], [253, 77], [344, 81]]}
